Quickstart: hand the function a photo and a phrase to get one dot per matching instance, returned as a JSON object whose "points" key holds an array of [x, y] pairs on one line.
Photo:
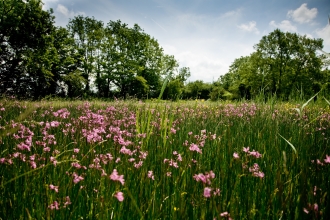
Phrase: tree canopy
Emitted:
{"points": [[90, 58]]}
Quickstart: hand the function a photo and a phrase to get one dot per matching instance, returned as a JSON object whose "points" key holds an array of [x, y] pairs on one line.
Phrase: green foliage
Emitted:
{"points": [[26, 48], [281, 64]]}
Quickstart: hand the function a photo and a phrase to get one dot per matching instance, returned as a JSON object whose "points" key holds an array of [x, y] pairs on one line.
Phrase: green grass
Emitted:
{"points": [[293, 145]]}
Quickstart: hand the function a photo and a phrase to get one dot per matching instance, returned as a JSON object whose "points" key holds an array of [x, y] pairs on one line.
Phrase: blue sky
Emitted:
{"points": [[205, 35]]}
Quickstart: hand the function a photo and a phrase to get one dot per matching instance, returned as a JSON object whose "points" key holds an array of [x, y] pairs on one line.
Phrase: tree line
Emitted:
{"points": [[89, 58]]}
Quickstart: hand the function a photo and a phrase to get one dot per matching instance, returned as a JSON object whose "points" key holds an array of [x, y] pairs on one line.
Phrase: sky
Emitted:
{"points": [[205, 35]]}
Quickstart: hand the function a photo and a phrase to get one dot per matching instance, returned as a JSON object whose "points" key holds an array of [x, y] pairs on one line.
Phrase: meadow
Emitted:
{"points": [[164, 160]]}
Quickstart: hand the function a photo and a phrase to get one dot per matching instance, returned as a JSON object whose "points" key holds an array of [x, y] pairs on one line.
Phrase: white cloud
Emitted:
{"points": [[65, 11], [325, 35], [233, 13], [250, 27], [285, 25], [303, 14], [47, 4]]}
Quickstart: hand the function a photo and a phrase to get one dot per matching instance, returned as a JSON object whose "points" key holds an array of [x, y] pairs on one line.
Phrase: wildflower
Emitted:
{"points": [[327, 159], [151, 175], [143, 155], [67, 201], [194, 147], [115, 177], [235, 155], [76, 165], [217, 192], [76, 150], [33, 164], [138, 165], [54, 205], [246, 150], [224, 214], [119, 196], [53, 159], [256, 154], [52, 187], [173, 131], [169, 174], [76, 178], [207, 192]]}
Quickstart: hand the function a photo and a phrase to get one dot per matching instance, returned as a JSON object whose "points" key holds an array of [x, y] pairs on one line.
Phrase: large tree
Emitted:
{"points": [[282, 64], [26, 49], [88, 34]]}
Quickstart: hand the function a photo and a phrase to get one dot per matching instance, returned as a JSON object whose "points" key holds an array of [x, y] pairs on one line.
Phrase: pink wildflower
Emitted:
{"points": [[115, 177], [256, 154], [33, 164], [67, 201], [246, 150], [235, 155], [327, 159], [76, 178], [52, 187], [224, 214], [217, 192], [207, 192], [138, 165], [151, 175], [54, 205], [194, 147], [119, 196]]}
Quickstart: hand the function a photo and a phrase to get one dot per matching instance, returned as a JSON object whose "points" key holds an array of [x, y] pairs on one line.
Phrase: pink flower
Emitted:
{"points": [[76, 150], [52, 187], [224, 214], [246, 150], [76, 178], [194, 147], [67, 201], [256, 154], [54, 205], [217, 192], [207, 192], [151, 175], [119, 196], [327, 159], [235, 155], [115, 177]]}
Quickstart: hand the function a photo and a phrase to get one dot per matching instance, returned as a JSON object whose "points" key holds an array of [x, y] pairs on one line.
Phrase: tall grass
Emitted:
{"points": [[191, 160]]}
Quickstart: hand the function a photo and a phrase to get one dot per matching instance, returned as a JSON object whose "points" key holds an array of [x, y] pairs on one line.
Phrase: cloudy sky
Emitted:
{"points": [[205, 35]]}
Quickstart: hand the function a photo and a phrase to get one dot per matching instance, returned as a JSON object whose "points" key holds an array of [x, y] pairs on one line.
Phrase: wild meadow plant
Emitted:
{"points": [[163, 160]]}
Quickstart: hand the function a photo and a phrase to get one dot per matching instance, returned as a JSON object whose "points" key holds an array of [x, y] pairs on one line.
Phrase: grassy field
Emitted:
{"points": [[185, 160]]}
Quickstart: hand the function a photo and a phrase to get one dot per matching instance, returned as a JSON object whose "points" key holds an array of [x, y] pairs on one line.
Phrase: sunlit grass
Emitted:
{"points": [[164, 160]]}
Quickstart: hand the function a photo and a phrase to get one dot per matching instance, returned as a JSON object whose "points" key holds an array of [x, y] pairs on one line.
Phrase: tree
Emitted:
{"points": [[291, 61], [26, 49], [88, 34], [67, 74], [281, 64]]}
